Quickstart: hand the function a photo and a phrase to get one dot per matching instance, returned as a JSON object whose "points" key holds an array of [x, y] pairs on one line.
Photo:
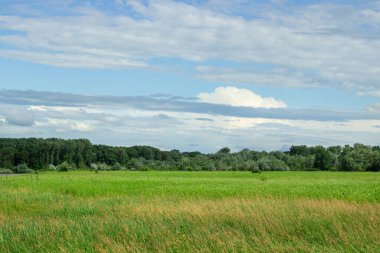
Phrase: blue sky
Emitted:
{"points": [[192, 75]]}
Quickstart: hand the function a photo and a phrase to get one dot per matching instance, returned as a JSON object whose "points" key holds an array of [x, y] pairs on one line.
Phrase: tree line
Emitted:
{"points": [[23, 155]]}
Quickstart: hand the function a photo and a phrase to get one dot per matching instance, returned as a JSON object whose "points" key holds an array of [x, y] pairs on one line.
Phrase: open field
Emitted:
{"points": [[125, 211]]}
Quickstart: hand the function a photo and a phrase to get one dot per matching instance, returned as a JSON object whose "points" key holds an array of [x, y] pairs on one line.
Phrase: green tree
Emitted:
{"points": [[324, 159]]}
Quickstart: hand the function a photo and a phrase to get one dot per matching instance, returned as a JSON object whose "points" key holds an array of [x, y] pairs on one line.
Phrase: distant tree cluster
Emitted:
{"points": [[29, 154]]}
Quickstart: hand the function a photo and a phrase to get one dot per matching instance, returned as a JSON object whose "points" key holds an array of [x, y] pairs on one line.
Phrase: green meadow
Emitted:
{"points": [[125, 211]]}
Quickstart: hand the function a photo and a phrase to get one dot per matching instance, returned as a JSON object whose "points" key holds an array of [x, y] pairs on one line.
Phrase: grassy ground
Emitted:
{"points": [[190, 212]]}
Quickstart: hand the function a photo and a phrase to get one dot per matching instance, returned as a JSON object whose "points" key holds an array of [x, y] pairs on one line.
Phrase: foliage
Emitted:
{"points": [[50, 154], [22, 168], [64, 167], [100, 166], [323, 159], [5, 171], [269, 163], [51, 167], [255, 170]]}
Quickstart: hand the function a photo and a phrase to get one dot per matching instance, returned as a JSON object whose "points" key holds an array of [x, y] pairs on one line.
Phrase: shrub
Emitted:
{"points": [[51, 167], [136, 164], [22, 168], [93, 166], [271, 163], [255, 170], [211, 167], [104, 166], [254, 167], [144, 168], [65, 166], [6, 171], [116, 166]]}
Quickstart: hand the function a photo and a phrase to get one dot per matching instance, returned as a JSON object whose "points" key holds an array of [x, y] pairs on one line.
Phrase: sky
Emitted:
{"points": [[192, 74]]}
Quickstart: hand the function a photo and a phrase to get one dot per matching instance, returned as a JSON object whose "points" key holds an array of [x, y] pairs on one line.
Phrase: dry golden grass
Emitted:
{"points": [[35, 220], [223, 225]]}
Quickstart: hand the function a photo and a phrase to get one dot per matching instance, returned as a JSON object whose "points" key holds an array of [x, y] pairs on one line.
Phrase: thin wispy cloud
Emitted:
{"points": [[269, 107], [375, 108], [321, 39]]}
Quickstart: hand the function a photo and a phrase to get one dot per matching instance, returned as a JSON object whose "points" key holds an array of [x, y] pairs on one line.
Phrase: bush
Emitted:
{"points": [[254, 167], [255, 170], [116, 166], [51, 167], [270, 163], [6, 171], [136, 164], [103, 166], [64, 167], [22, 168], [145, 168], [211, 167], [93, 166]]}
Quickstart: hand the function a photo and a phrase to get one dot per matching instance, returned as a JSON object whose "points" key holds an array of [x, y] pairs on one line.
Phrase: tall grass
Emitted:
{"points": [[190, 212]]}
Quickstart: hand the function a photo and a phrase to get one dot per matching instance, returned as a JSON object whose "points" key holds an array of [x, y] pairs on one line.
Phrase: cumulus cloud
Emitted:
{"points": [[239, 97]]}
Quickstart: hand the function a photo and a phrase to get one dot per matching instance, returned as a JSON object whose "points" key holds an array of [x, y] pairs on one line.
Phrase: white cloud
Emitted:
{"points": [[372, 93], [84, 60], [81, 127], [69, 124], [184, 130], [375, 108], [325, 39], [270, 77], [102, 108], [239, 97], [16, 115]]}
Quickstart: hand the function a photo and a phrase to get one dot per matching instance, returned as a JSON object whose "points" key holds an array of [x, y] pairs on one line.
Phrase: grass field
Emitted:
{"points": [[190, 212]]}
